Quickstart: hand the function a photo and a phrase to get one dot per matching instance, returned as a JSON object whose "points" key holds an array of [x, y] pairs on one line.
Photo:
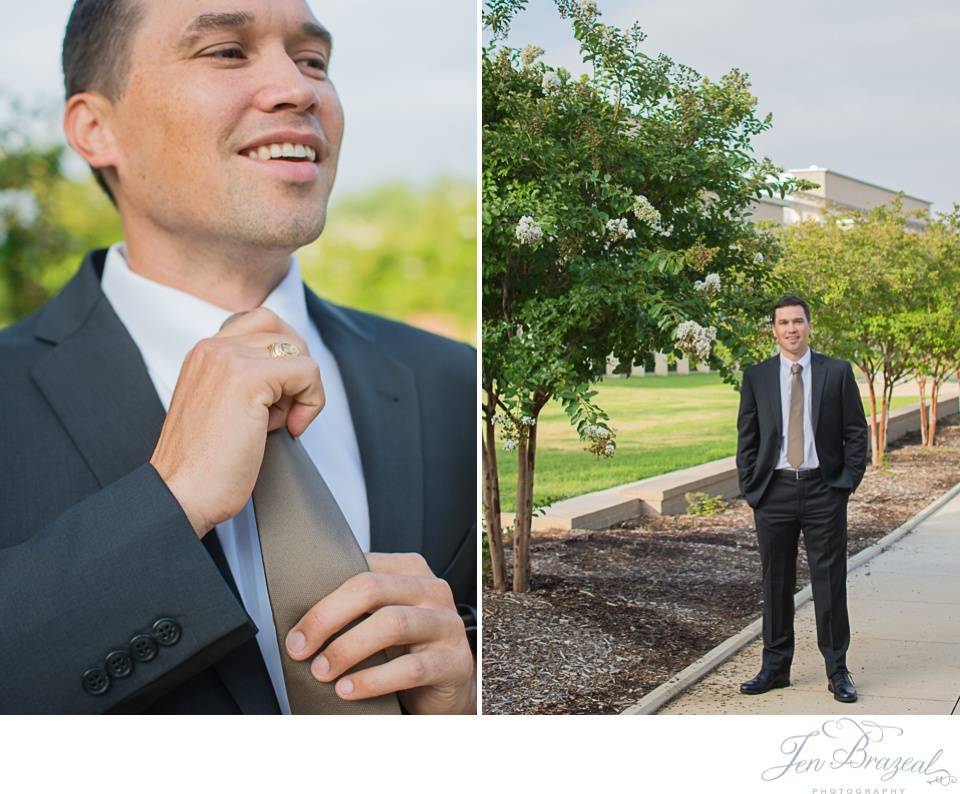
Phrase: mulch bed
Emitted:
{"points": [[612, 614]]}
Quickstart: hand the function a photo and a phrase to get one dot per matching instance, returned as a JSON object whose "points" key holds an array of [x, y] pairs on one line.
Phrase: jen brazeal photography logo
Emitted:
{"points": [[883, 758]]}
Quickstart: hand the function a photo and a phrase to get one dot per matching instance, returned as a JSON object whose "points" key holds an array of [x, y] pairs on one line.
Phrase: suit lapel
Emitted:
{"points": [[384, 407], [772, 384], [97, 384], [818, 372]]}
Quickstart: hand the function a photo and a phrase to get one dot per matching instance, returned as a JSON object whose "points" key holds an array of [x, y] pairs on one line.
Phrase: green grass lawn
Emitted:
{"points": [[662, 424]]}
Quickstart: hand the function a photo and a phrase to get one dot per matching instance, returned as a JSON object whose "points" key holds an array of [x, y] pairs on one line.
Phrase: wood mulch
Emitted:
{"points": [[612, 614]]}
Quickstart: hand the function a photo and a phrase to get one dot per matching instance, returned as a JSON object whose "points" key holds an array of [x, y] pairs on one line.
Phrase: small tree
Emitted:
{"points": [[863, 273], [614, 222]]}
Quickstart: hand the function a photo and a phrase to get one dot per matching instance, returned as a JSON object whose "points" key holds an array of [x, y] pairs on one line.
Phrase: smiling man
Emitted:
{"points": [[158, 392], [801, 452]]}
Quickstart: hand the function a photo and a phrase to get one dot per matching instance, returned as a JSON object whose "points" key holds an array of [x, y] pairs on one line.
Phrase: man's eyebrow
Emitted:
{"points": [[314, 30], [214, 21], [239, 19]]}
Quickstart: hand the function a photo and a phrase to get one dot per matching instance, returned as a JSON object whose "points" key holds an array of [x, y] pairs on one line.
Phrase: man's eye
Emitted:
{"points": [[315, 64], [230, 53]]}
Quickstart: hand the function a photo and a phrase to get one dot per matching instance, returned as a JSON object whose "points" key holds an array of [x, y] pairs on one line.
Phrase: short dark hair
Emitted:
{"points": [[790, 300], [96, 51]]}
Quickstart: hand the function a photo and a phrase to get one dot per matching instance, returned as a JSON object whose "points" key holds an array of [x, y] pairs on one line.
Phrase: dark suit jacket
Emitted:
{"points": [[94, 549], [839, 425]]}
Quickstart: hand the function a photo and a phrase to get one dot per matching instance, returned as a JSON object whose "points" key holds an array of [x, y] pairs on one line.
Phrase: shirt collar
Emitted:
{"points": [[804, 362], [166, 322]]}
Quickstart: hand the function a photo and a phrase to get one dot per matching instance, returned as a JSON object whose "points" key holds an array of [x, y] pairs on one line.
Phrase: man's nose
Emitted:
{"points": [[284, 86]]}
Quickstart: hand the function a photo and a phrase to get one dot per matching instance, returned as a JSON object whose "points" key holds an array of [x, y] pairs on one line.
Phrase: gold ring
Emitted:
{"points": [[281, 349]]}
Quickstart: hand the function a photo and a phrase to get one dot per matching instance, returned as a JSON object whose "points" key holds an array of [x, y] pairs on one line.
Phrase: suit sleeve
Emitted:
{"points": [[748, 433], [855, 431], [122, 575]]}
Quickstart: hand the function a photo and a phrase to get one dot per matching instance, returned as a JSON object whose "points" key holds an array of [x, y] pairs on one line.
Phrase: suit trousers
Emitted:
{"points": [[788, 507]]}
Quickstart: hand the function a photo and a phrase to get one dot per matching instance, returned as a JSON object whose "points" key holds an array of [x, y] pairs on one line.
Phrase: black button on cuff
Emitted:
{"points": [[95, 681], [166, 631], [119, 664], [143, 648]]}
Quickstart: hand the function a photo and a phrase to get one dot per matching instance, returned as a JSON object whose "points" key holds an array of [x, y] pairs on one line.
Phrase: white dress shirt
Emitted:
{"points": [[810, 459], [165, 323]]}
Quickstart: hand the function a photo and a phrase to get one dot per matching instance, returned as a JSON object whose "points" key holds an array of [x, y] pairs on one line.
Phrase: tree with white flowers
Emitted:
{"points": [[614, 223]]}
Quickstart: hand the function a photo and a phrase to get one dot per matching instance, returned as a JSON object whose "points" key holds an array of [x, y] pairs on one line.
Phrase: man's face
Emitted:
{"points": [[792, 330], [217, 89]]}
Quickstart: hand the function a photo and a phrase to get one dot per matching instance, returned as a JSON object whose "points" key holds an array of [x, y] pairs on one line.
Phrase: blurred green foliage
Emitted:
{"points": [[404, 252]]}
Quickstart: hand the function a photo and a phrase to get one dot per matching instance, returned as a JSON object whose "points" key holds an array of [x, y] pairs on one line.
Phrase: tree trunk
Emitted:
{"points": [[491, 503], [934, 399], [885, 413], [875, 448], [922, 384], [526, 452]]}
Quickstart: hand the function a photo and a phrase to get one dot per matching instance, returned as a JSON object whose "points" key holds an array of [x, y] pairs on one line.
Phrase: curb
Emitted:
{"points": [[652, 702]]}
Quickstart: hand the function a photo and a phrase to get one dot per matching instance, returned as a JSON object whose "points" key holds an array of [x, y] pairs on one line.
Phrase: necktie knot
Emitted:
{"points": [[796, 369]]}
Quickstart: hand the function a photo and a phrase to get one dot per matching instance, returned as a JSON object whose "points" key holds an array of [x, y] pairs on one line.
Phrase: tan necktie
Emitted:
{"points": [[308, 551], [795, 427]]}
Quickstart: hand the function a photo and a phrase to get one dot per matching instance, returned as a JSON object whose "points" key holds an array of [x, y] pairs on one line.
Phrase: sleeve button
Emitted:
{"points": [[166, 631], [119, 664], [95, 681], [143, 648]]}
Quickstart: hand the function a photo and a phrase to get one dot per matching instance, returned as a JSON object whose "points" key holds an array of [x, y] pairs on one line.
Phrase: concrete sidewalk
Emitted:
{"points": [[905, 646]]}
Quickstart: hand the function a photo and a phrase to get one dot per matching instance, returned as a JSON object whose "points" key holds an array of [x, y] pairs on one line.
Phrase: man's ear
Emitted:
{"points": [[87, 126]]}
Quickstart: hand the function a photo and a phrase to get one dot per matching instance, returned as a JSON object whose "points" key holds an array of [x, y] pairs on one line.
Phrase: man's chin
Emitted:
{"points": [[291, 232]]}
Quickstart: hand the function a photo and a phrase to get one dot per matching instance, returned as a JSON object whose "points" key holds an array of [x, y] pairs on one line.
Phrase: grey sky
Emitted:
{"points": [[406, 75], [869, 88]]}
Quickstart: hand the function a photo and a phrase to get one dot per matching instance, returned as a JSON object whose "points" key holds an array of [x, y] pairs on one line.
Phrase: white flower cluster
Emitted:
{"points": [[530, 53], [551, 81], [528, 231], [599, 440], [694, 340], [664, 231], [631, 127], [20, 205], [588, 8], [618, 229], [510, 432], [758, 258], [645, 212], [595, 431], [710, 285]]}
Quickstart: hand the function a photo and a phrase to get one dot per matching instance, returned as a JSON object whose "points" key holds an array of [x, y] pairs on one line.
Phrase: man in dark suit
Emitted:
{"points": [[128, 577], [801, 452]]}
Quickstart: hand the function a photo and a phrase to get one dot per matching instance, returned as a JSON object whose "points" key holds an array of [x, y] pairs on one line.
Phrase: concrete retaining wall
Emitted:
{"points": [[666, 493]]}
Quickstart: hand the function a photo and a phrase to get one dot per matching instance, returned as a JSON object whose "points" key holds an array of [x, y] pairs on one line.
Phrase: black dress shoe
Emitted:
{"points": [[764, 681], [841, 684]]}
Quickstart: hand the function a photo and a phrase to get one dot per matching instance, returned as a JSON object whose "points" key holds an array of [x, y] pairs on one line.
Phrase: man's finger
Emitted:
{"points": [[260, 320], [405, 672], [409, 564], [356, 597], [385, 628]]}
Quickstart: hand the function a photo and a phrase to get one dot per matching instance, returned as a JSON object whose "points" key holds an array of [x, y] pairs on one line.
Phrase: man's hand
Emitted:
{"points": [[408, 610], [230, 393]]}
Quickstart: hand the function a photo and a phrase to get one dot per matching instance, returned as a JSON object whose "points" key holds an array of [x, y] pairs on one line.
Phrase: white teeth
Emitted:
{"points": [[276, 151]]}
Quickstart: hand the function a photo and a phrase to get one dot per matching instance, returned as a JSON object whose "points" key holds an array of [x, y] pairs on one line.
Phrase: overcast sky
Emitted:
{"points": [[405, 71], [869, 88]]}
